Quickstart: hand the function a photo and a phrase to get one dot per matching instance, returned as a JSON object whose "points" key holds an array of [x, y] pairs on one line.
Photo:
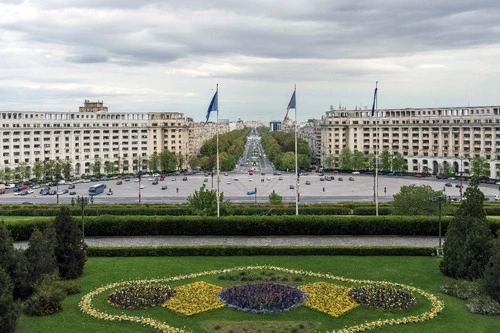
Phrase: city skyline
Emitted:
{"points": [[154, 56]]}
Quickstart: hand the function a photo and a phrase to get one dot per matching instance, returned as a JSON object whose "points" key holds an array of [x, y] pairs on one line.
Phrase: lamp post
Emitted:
{"points": [[440, 200], [82, 202]]}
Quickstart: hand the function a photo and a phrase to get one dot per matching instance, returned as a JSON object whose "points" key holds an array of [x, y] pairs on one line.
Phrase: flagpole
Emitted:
{"points": [[297, 192], [377, 147], [218, 166]]}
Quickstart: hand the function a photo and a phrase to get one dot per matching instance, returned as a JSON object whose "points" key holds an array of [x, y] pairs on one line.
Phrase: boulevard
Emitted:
{"points": [[236, 184]]}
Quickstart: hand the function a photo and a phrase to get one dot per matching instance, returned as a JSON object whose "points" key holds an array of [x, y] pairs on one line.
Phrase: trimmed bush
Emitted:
{"points": [[483, 305], [220, 250], [46, 300]]}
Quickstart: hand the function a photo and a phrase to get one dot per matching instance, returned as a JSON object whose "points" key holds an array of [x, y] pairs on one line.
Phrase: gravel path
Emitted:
{"points": [[418, 241]]}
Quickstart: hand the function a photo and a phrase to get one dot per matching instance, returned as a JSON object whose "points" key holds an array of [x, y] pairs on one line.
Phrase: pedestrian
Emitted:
{"points": [[385, 190], [177, 189]]}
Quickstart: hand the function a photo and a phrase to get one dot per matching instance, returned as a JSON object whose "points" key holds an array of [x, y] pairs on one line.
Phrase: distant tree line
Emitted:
{"points": [[280, 150], [231, 147]]}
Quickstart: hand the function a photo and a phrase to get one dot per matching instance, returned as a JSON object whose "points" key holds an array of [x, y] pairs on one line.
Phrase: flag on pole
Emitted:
{"points": [[374, 101], [213, 105], [291, 105]]}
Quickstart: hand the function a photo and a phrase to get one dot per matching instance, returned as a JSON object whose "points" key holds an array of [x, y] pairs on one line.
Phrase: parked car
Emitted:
{"points": [[459, 186], [52, 192], [351, 179], [184, 178], [119, 182], [497, 197], [251, 192], [340, 179], [308, 182], [164, 187], [72, 192], [71, 186], [448, 185], [291, 187]]}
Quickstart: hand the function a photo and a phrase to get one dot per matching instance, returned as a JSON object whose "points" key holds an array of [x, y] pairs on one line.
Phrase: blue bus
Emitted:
{"points": [[96, 189]]}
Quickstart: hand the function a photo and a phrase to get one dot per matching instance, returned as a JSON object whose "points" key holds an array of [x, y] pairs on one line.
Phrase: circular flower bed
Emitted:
{"points": [[263, 297], [383, 298], [140, 296]]}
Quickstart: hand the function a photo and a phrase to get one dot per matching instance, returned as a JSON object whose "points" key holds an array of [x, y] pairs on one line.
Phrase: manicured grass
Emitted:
{"points": [[420, 272]]}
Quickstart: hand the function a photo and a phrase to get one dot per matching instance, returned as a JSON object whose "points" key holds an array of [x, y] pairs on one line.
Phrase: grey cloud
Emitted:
{"points": [[87, 58]]}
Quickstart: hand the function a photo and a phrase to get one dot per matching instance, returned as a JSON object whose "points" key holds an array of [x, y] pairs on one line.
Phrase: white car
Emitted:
{"points": [[497, 197], [228, 182], [141, 187], [355, 173]]}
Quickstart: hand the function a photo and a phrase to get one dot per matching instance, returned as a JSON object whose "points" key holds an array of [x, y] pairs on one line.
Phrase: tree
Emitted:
{"points": [[480, 167], [40, 254], [154, 162], [492, 272], [20, 276], [69, 249], [67, 168], [96, 167], [415, 200], [109, 167], [467, 249], [204, 202], [288, 161], [38, 170], [358, 160], [8, 309], [399, 163], [345, 159], [167, 161], [385, 161], [275, 199], [447, 170], [7, 252], [329, 162]]}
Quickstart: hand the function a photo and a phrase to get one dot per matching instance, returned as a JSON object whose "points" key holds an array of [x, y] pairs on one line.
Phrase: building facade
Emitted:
{"points": [[425, 137], [93, 133]]}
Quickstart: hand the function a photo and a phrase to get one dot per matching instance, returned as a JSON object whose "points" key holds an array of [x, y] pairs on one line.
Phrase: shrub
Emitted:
{"points": [[46, 300], [8, 310], [462, 289], [492, 273], [483, 305]]}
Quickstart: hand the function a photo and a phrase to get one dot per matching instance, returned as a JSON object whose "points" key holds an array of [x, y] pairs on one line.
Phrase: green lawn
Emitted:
{"points": [[420, 272]]}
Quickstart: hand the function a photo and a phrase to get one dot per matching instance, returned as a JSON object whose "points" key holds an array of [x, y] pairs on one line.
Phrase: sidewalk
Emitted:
{"points": [[417, 241]]}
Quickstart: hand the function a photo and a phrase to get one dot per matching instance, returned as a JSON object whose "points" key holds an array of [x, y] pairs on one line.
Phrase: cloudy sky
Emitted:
{"points": [[169, 55]]}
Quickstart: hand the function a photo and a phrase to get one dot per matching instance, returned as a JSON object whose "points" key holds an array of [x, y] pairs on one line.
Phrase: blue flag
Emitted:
{"points": [[374, 102], [291, 105], [213, 105]]}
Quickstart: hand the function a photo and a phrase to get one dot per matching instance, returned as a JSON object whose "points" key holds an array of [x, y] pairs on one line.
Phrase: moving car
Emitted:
{"points": [[448, 185], [251, 192]]}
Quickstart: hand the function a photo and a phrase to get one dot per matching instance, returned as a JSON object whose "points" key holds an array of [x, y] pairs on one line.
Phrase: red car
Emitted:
{"points": [[418, 175]]}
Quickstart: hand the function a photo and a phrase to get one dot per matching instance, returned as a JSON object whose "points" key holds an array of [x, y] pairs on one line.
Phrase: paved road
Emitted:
{"points": [[418, 241]]}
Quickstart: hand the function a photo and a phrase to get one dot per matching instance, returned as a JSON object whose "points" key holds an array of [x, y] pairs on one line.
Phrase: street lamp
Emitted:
{"points": [[439, 200], [82, 202]]}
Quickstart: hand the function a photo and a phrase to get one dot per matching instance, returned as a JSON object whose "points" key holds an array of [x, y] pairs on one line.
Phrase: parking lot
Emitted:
{"points": [[236, 185]]}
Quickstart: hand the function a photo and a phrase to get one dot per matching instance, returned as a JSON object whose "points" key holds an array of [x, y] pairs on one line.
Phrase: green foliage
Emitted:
{"points": [[7, 252], [69, 249], [204, 202], [167, 161], [223, 250], [231, 146], [280, 149], [20, 277], [8, 309], [345, 159], [47, 298], [467, 249], [40, 254], [416, 200], [399, 163], [483, 305], [275, 199], [480, 167], [462, 289], [492, 273]]}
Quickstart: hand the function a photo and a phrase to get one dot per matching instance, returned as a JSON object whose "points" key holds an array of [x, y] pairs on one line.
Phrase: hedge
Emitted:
{"points": [[223, 250]]}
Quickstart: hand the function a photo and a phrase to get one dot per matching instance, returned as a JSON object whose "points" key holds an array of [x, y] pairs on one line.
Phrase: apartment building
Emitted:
{"points": [[122, 138], [425, 137]]}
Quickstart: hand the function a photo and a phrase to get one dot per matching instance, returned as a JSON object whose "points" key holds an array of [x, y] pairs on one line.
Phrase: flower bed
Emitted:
{"points": [[262, 297], [87, 304], [140, 295], [194, 298], [383, 298], [329, 298]]}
